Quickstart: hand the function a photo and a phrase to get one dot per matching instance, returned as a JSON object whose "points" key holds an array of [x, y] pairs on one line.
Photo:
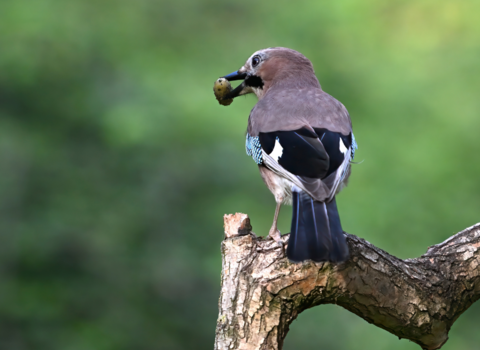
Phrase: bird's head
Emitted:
{"points": [[277, 67]]}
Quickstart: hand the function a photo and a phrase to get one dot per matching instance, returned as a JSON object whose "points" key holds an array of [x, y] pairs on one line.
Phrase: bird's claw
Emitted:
{"points": [[277, 237]]}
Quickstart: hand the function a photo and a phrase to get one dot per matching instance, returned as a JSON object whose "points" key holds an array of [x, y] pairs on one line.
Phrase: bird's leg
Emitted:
{"points": [[274, 233]]}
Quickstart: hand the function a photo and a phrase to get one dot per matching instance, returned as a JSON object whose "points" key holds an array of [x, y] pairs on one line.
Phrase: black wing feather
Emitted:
{"points": [[331, 142], [302, 154], [307, 153]]}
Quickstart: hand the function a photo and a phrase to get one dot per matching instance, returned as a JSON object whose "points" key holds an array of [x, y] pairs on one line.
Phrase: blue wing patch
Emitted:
{"points": [[354, 146], [254, 148]]}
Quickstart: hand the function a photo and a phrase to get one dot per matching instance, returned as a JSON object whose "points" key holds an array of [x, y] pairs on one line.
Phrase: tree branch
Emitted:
{"points": [[418, 299]]}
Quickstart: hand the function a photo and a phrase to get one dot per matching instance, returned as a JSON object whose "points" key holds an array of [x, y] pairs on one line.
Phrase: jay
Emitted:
{"points": [[301, 139]]}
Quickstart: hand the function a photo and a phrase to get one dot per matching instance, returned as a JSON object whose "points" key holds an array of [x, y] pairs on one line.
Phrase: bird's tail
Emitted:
{"points": [[316, 232]]}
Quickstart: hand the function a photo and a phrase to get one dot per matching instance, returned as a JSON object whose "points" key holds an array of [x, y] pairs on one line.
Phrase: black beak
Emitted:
{"points": [[235, 76], [241, 89]]}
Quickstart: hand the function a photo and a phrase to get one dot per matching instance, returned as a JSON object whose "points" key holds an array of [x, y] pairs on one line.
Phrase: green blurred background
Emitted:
{"points": [[117, 163]]}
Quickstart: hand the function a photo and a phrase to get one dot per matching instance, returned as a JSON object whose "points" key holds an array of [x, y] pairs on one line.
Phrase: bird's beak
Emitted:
{"points": [[241, 89], [235, 76]]}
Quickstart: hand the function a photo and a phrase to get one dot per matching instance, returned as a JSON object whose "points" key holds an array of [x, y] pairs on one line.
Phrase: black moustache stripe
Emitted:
{"points": [[254, 81]]}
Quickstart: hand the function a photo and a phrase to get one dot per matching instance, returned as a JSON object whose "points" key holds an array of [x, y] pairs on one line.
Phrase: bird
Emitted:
{"points": [[301, 138]]}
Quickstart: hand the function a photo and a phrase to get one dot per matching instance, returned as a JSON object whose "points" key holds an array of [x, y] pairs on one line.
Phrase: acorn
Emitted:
{"points": [[220, 89]]}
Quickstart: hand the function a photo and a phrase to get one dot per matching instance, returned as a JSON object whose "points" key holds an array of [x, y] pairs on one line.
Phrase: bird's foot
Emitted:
{"points": [[275, 235]]}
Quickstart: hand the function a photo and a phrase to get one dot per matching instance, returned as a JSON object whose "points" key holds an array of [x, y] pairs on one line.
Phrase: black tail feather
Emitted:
{"points": [[316, 232], [340, 247]]}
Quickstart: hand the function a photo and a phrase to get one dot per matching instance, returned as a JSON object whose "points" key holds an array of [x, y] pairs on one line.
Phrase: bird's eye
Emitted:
{"points": [[255, 61]]}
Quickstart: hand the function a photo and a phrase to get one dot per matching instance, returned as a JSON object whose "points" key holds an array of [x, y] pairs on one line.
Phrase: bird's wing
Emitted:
{"points": [[315, 160]]}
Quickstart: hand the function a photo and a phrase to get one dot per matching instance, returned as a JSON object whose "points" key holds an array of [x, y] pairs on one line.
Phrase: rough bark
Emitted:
{"points": [[418, 299]]}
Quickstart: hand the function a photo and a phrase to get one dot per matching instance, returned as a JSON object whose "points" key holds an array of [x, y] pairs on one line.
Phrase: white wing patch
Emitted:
{"points": [[277, 150], [343, 149]]}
